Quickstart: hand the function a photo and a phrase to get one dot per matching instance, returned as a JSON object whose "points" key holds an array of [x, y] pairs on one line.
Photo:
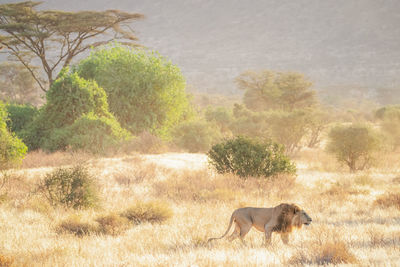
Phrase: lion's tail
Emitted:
{"points": [[227, 231]]}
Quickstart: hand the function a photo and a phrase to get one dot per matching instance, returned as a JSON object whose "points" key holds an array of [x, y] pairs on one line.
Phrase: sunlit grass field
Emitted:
{"points": [[356, 217]]}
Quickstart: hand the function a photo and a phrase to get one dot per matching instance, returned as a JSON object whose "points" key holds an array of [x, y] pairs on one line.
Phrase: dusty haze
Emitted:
{"points": [[334, 42]]}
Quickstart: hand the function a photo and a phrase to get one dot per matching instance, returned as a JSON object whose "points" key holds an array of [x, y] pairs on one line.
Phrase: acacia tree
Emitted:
{"points": [[265, 90], [53, 38]]}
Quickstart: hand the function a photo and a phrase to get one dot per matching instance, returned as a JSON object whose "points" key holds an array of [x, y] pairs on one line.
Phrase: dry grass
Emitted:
{"points": [[327, 253], [152, 212], [389, 200], [355, 220], [39, 159], [6, 261], [75, 225], [112, 224]]}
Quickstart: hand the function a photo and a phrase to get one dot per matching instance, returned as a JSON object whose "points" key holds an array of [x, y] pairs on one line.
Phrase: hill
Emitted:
{"points": [[334, 42]]}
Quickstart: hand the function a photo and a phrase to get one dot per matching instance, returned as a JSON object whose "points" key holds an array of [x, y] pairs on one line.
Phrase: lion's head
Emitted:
{"points": [[291, 216]]}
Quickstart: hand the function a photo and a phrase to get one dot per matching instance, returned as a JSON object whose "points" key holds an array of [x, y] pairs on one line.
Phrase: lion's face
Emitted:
{"points": [[301, 217]]}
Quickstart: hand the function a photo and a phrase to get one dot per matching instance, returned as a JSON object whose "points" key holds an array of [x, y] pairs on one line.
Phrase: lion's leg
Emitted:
{"points": [[243, 232], [235, 233], [285, 238], [268, 232]]}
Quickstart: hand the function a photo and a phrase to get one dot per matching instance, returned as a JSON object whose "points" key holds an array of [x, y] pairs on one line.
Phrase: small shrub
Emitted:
{"points": [[112, 224], [246, 157], [71, 187], [76, 226], [389, 200], [153, 212]]}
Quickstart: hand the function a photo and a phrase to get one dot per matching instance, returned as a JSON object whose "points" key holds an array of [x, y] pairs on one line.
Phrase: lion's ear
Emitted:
{"points": [[296, 209]]}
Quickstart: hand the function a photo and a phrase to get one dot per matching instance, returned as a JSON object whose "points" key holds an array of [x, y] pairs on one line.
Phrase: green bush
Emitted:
{"points": [[196, 136], [246, 157], [20, 116], [95, 134], [75, 116], [353, 145], [12, 149], [146, 92], [70, 187]]}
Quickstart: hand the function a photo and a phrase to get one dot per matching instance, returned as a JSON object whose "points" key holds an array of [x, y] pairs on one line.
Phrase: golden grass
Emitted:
{"points": [[152, 212], [354, 218], [389, 200]]}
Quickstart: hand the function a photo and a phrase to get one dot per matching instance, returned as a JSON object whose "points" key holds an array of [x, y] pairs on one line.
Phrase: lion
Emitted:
{"points": [[281, 219]]}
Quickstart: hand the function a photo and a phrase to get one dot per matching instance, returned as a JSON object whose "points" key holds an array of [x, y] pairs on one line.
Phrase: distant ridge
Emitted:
{"points": [[334, 42]]}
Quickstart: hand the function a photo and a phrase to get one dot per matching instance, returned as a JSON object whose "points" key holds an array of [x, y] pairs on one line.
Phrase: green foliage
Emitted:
{"points": [[72, 187], [288, 128], [152, 212], [76, 115], [221, 116], [20, 116], [95, 134], [72, 96], [196, 136], [250, 123], [145, 91], [265, 90], [353, 145], [246, 157], [12, 149]]}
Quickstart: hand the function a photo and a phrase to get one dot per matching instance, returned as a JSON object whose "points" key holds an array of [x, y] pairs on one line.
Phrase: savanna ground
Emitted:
{"points": [[356, 217]]}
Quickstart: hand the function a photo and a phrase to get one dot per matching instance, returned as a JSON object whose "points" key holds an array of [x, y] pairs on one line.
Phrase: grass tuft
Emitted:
{"points": [[152, 212], [389, 200]]}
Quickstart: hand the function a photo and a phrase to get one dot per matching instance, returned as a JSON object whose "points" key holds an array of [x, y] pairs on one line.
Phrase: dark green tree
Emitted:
{"points": [[53, 38]]}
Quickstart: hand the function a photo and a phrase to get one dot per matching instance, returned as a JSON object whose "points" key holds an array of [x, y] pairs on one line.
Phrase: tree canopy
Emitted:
{"points": [[266, 90], [53, 38], [145, 91]]}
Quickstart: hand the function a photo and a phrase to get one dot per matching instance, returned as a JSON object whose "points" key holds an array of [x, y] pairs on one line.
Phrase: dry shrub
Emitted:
{"points": [[328, 253], [388, 200], [75, 225], [195, 186], [112, 224], [39, 158], [6, 261], [152, 212], [335, 253]]}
